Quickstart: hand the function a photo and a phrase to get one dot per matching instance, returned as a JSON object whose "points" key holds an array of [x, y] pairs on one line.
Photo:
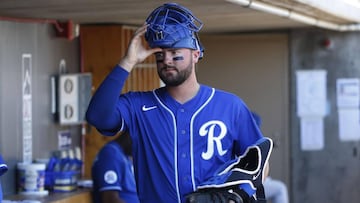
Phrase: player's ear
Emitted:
{"points": [[195, 55]]}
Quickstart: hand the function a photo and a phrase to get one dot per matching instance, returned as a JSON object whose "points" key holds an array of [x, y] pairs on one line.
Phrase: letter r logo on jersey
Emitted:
{"points": [[209, 129]]}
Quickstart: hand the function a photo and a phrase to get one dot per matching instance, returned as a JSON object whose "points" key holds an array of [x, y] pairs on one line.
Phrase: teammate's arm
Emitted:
{"points": [[266, 169], [111, 196]]}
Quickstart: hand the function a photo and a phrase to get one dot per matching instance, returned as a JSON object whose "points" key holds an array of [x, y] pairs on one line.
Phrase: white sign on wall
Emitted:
{"points": [[348, 101], [311, 107], [26, 108], [311, 92]]}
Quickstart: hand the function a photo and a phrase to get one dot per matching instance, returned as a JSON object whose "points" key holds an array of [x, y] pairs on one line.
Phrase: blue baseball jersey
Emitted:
{"points": [[113, 170], [3, 169], [176, 146]]}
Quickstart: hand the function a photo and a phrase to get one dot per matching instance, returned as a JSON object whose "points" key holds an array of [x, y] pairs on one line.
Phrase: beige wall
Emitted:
{"points": [[46, 50]]}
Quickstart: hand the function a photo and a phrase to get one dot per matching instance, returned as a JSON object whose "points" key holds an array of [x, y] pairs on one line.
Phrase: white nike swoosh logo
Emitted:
{"points": [[144, 108], [257, 175]]}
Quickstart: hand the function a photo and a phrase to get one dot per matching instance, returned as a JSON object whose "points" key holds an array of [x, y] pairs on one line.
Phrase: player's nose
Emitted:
{"points": [[168, 59]]}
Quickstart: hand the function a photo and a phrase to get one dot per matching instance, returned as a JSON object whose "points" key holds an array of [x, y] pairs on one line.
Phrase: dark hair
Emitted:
{"points": [[124, 140]]}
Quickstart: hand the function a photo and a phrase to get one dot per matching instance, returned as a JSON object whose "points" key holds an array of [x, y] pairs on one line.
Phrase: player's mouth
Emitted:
{"points": [[168, 69]]}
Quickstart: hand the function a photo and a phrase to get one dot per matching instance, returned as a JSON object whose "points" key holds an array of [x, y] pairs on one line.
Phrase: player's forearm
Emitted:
{"points": [[111, 196], [101, 111], [126, 64]]}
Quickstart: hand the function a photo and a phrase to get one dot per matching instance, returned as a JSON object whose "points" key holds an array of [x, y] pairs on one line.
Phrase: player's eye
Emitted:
{"points": [[159, 56], [175, 54]]}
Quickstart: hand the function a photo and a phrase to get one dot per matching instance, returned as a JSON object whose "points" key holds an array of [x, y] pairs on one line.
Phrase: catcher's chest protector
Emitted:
{"points": [[238, 178]]}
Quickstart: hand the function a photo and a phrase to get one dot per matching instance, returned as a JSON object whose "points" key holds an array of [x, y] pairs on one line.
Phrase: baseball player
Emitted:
{"points": [[112, 173], [181, 133]]}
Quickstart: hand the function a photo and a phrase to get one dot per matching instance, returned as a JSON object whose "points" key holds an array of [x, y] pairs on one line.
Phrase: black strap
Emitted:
{"points": [[260, 194]]}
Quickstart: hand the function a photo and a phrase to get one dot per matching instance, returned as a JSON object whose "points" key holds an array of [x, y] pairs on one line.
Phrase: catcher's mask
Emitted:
{"points": [[173, 26]]}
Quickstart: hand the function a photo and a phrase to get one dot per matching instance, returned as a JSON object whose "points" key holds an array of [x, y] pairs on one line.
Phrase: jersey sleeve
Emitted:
{"points": [[108, 169], [102, 111], [249, 132], [3, 167]]}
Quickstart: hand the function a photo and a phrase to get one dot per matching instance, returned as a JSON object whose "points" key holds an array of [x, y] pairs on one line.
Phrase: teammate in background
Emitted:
{"points": [[3, 169], [275, 190], [183, 132], [112, 173]]}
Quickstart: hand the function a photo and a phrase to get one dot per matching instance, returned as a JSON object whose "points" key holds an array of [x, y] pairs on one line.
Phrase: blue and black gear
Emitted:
{"points": [[173, 26], [242, 176]]}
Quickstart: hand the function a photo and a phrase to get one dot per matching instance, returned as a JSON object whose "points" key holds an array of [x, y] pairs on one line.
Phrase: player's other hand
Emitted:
{"points": [[136, 52]]}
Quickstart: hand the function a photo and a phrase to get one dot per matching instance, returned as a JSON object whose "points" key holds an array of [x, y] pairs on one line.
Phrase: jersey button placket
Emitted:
{"points": [[183, 131], [186, 179], [183, 155], [184, 169]]}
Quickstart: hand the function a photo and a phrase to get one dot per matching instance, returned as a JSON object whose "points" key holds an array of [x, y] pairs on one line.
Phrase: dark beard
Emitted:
{"points": [[175, 80]]}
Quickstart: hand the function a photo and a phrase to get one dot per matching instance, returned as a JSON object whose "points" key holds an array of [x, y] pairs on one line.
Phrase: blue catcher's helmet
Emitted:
{"points": [[173, 26]]}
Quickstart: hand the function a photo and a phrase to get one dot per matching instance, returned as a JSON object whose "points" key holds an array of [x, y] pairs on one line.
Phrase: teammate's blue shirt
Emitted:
{"points": [[112, 170], [3, 169], [176, 146]]}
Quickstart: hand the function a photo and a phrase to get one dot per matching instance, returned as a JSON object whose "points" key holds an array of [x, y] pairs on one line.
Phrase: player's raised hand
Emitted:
{"points": [[136, 52]]}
